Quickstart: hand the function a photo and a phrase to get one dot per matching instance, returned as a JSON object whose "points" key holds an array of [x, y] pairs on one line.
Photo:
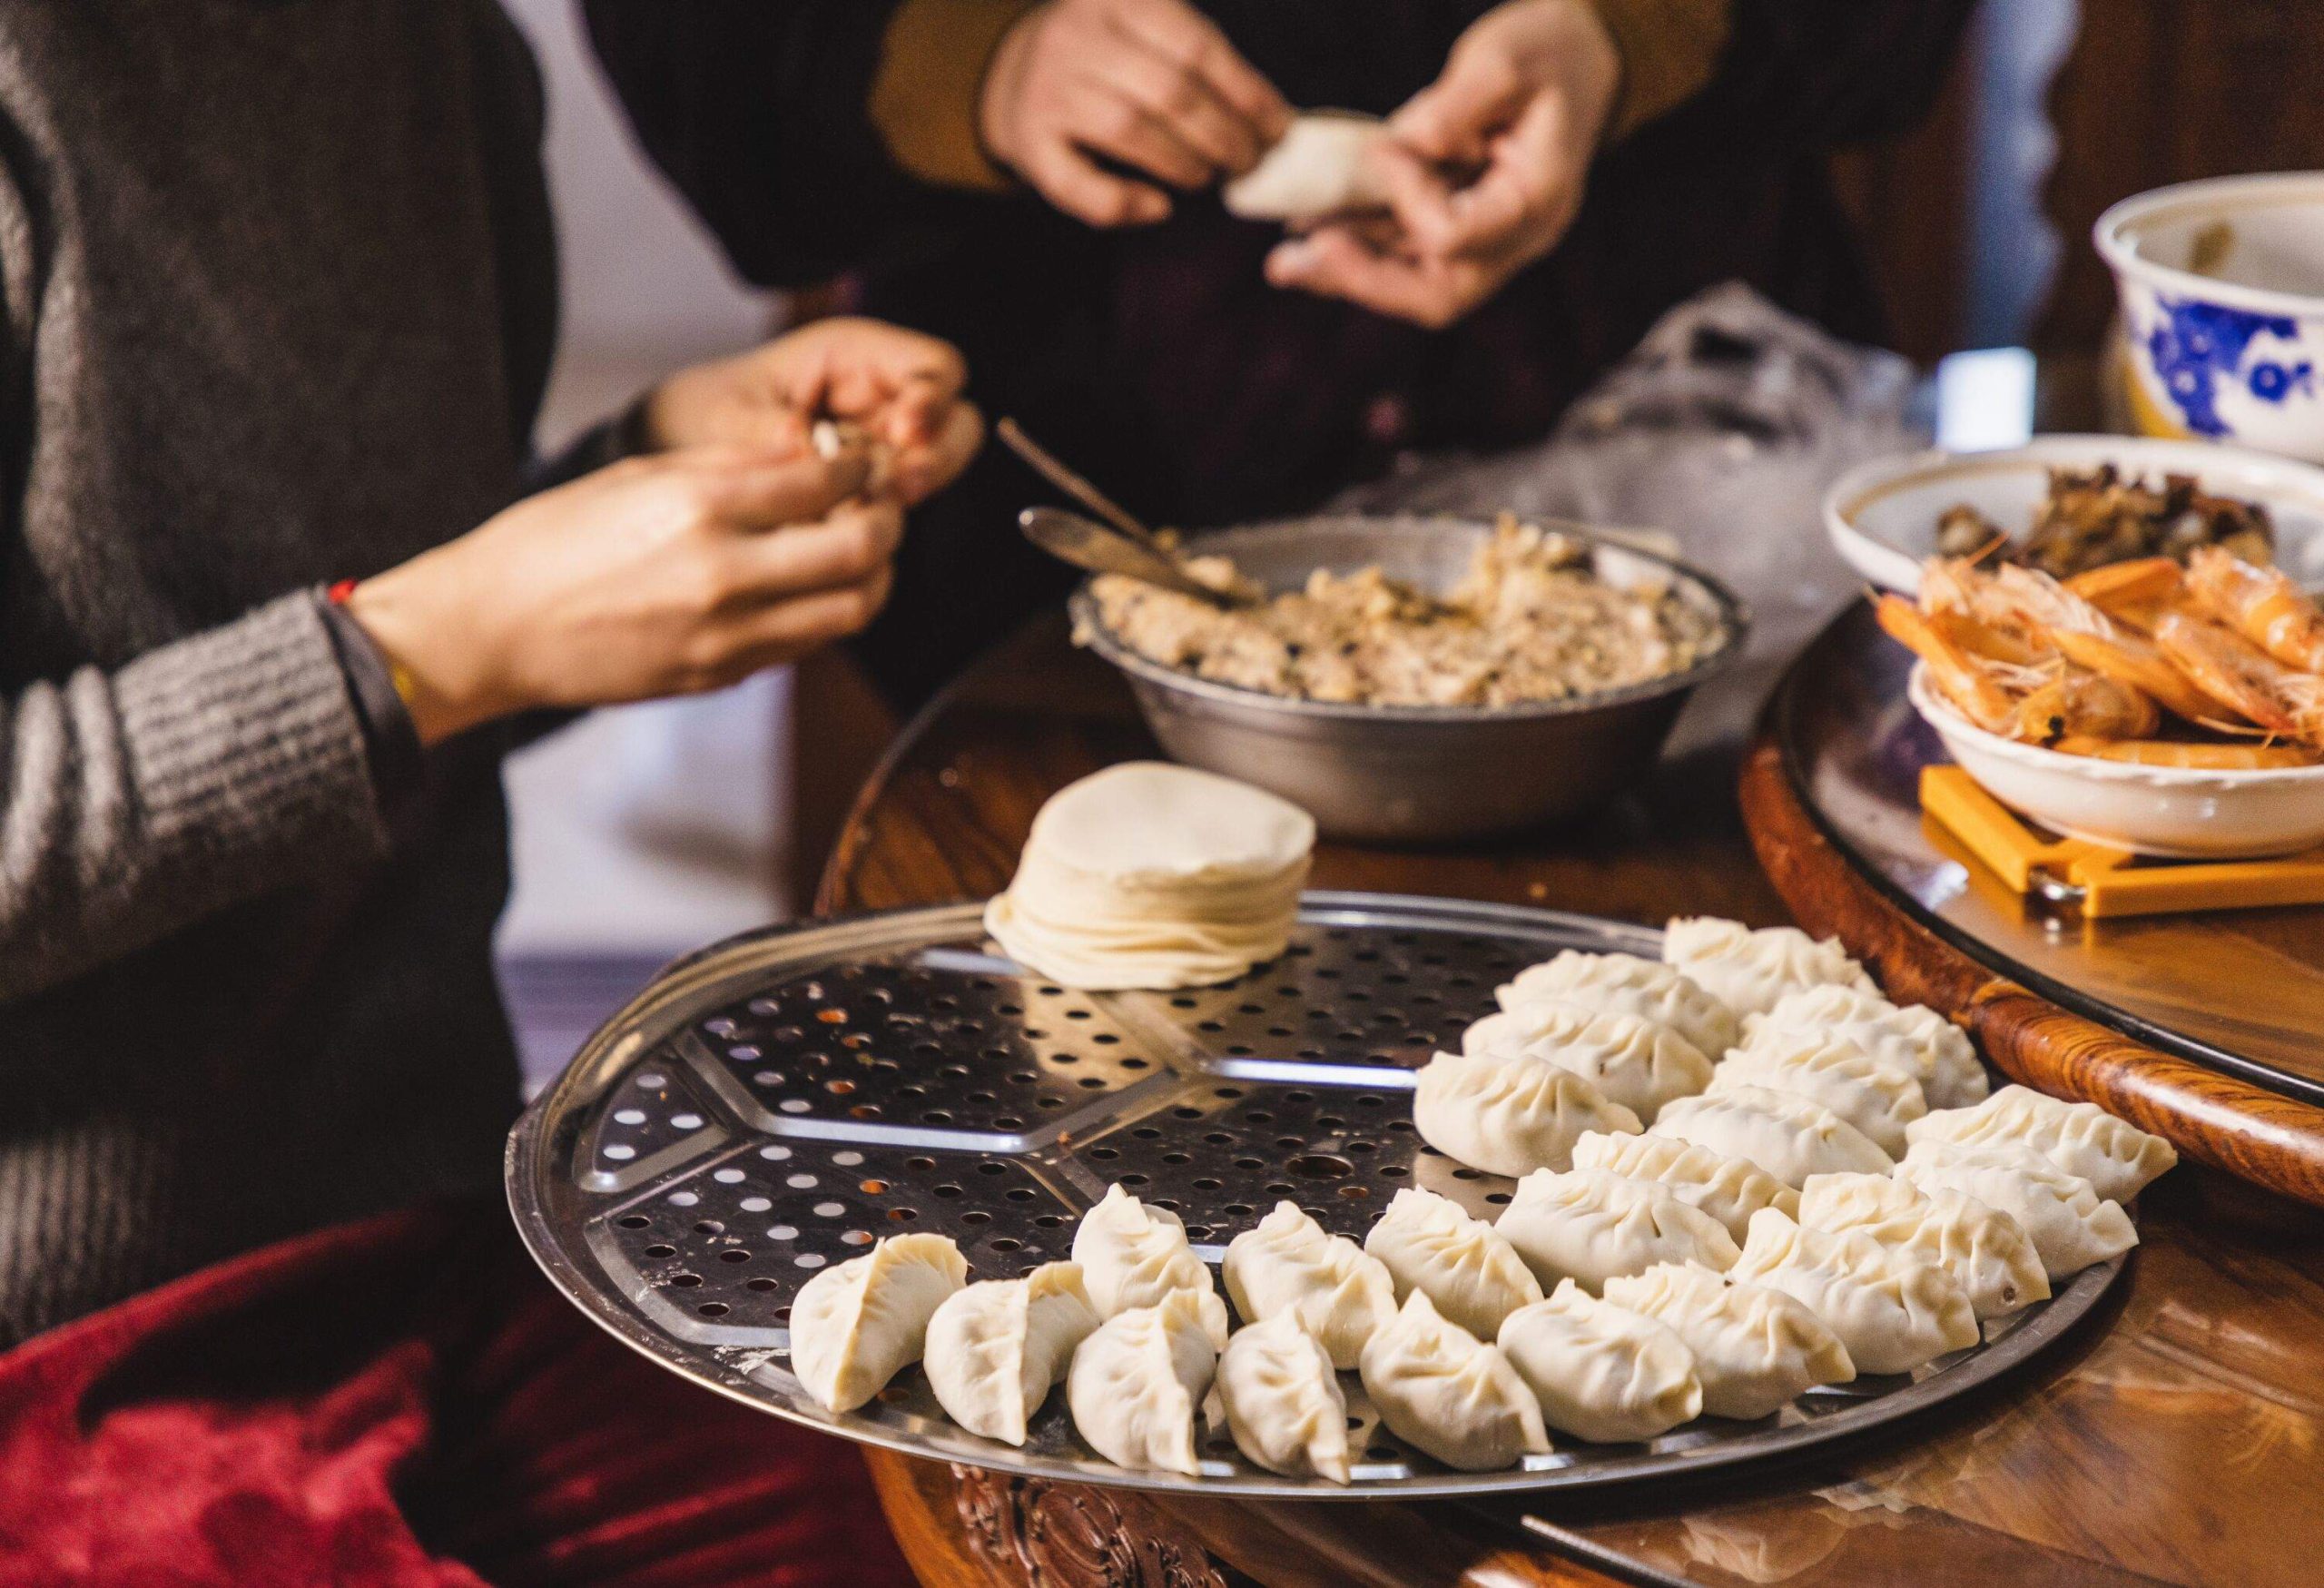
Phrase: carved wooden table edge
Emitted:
{"points": [[1029, 1530], [2259, 1135]]}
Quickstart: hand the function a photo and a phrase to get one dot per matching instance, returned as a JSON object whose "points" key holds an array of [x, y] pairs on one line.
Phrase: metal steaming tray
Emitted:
{"points": [[773, 1104]]}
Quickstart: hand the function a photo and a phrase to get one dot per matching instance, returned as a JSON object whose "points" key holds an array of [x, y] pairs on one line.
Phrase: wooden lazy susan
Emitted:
{"points": [[2206, 1026]]}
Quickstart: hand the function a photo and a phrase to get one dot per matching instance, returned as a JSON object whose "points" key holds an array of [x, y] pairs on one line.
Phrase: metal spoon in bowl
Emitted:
{"points": [[1049, 466], [1087, 544]]}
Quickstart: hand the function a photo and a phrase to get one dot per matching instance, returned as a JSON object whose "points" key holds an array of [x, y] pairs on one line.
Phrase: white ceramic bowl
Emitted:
{"points": [[2221, 285], [2171, 811], [1882, 516]]}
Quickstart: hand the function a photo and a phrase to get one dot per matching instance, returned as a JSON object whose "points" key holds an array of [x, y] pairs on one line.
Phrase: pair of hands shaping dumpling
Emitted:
{"points": [[733, 544], [1106, 107]]}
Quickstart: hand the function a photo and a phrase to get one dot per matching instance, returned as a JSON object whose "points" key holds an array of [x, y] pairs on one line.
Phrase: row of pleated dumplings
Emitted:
{"points": [[1686, 1237]]}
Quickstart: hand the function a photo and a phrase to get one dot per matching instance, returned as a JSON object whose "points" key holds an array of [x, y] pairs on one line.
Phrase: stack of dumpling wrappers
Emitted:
{"points": [[1150, 875], [1741, 1174]]}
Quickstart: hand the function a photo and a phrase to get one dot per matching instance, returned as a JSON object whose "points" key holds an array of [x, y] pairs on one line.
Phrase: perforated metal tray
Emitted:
{"points": [[773, 1104]]}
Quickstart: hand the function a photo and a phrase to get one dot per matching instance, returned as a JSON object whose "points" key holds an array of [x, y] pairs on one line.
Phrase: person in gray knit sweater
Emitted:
{"points": [[280, 298]]}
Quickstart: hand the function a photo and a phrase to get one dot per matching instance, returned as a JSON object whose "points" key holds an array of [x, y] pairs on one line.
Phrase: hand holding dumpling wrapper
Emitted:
{"points": [[1324, 164]]}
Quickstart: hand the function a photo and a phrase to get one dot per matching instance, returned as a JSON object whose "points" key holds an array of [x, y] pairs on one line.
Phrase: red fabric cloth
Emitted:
{"points": [[403, 1403]]}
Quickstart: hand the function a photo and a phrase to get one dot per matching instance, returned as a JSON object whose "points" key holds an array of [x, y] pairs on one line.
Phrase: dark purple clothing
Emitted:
{"points": [[1158, 360]]}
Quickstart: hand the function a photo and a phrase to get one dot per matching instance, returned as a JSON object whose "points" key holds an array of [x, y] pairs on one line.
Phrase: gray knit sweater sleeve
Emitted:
{"points": [[216, 768]]}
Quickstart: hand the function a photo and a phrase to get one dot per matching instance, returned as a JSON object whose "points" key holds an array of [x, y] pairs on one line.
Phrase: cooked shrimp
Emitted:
{"points": [[2262, 604], [1980, 638], [2139, 583], [2011, 601], [2133, 659], [2180, 752], [2224, 663], [1956, 591], [2086, 704], [2011, 598], [1985, 692]]}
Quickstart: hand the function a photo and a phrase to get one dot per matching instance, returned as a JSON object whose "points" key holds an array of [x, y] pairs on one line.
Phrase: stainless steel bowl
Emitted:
{"points": [[1414, 774]]}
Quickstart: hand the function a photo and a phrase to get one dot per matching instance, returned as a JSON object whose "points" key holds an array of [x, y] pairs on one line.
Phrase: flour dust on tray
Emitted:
{"points": [[1147, 875]]}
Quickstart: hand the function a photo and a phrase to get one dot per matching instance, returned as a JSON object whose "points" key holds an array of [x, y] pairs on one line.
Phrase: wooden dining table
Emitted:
{"points": [[2176, 1437]]}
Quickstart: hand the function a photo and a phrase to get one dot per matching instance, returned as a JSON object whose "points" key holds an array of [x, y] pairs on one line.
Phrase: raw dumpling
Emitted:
{"points": [[1322, 165], [1137, 1381], [1627, 984], [1443, 1390], [2117, 1157], [1588, 1224], [1509, 1114], [857, 1326], [1755, 1348], [996, 1348], [1892, 1313], [1636, 1062], [1599, 1372], [1337, 1290], [1431, 1246], [1789, 1136], [1750, 970], [1933, 1048], [1984, 1248], [1132, 1255], [1877, 1096], [1283, 1401], [2070, 1224], [1730, 1189]]}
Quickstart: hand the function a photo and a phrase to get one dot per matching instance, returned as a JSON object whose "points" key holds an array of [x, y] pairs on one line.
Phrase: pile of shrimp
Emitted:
{"points": [[2218, 664]]}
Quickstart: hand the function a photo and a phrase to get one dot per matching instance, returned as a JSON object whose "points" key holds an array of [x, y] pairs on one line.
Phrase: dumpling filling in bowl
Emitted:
{"points": [[1530, 620]]}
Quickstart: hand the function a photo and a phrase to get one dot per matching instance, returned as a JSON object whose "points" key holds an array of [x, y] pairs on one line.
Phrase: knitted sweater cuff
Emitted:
{"points": [[243, 740]]}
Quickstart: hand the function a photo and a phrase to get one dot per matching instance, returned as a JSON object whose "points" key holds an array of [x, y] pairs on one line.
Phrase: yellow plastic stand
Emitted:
{"points": [[2110, 882]]}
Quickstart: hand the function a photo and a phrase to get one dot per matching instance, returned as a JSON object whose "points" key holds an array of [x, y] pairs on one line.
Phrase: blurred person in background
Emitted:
{"points": [[280, 582], [1036, 183]]}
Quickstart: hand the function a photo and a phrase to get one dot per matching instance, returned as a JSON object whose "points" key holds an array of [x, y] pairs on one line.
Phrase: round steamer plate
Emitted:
{"points": [[772, 1105]]}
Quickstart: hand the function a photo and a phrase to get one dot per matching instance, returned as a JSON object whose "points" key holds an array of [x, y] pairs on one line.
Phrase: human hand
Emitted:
{"points": [[901, 389], [1149, 85], [1484, 170], [665, 575]]}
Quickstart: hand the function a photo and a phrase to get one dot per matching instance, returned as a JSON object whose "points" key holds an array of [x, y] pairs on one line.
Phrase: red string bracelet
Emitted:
{"points": [[338, 594]]}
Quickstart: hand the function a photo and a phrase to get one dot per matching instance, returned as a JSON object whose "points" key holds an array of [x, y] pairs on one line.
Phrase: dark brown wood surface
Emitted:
{"points": [[2179, 1440]]}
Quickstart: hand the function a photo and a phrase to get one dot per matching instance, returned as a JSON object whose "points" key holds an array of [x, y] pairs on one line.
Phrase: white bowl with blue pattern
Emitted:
{"points": [[2222, 293]]}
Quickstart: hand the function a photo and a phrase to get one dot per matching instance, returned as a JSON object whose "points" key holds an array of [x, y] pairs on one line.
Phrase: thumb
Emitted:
{"points": [[751, 493], [1453, 118], [1420, 124]]}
